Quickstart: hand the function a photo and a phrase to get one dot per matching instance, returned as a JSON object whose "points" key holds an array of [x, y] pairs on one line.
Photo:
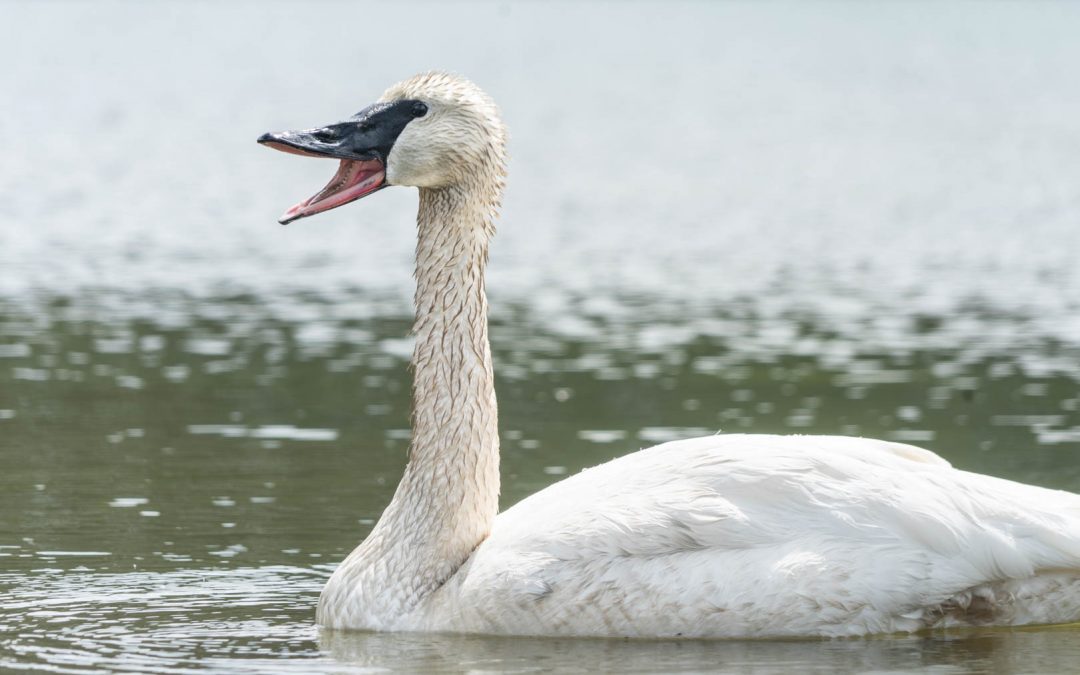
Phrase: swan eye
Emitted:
{"points": [[419, 109]]}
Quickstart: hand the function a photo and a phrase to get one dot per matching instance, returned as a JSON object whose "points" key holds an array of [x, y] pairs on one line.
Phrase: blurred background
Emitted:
{"points": [[814, 217]]}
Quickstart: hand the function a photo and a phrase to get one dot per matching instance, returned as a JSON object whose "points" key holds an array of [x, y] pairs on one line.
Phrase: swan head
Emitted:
{"points": [[434, 130]]}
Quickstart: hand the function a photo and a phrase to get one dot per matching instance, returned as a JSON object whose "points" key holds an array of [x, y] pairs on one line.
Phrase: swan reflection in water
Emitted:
{"points": [[990, 650]]}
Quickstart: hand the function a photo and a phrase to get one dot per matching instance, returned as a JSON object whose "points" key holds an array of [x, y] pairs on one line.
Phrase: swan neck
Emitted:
{"points": [[450, 492], [447, 500], [454, 407]]}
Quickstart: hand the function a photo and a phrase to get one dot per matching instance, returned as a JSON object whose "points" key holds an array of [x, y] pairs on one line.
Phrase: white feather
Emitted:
{"points": [[769, 536]]}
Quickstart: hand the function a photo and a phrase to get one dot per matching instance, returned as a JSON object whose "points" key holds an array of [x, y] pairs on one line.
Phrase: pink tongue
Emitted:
{"points": [[353, 180]]}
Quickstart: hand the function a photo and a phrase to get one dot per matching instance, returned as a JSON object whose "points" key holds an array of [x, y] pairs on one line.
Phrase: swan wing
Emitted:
{"points": [[773, 535]]}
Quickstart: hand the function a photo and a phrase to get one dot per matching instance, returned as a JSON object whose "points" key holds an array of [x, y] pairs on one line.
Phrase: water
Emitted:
{"points": [[811, 218]]}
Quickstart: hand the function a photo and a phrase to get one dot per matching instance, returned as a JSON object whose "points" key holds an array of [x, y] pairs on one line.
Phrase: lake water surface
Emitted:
{"points": [[769, 217]]}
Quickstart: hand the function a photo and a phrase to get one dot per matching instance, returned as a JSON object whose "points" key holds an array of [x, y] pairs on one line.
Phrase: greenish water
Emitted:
{"points": [[862, 221], [176, 490]]}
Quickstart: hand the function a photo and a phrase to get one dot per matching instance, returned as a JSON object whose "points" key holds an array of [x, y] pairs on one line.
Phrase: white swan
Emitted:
{"points": [[724, 536]]}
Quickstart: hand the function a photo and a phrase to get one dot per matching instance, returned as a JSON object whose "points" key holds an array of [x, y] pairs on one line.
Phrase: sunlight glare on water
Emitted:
{"points": [[770, 217]]}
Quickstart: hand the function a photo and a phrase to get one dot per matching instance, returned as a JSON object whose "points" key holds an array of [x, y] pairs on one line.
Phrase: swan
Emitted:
{"points": [[722, 536]]}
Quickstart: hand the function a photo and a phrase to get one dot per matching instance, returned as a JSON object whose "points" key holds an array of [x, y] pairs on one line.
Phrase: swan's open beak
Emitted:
{"points": [[361, 172], [362, 143]]}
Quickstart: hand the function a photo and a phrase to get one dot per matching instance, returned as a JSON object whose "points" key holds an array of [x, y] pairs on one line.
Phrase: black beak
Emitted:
{"points": [[343, 140], [362, 143], [367, 135]]}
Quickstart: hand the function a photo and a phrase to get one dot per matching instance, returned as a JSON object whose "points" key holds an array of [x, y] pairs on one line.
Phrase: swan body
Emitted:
{"points": [[756, 535], [722, 536]]}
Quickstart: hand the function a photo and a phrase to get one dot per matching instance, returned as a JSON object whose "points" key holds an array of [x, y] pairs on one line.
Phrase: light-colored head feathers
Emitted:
{"points": [[461, 141]]}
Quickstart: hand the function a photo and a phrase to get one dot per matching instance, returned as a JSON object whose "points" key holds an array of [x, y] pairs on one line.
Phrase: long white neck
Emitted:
{"points": [[448, 498], [453, 474]]}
